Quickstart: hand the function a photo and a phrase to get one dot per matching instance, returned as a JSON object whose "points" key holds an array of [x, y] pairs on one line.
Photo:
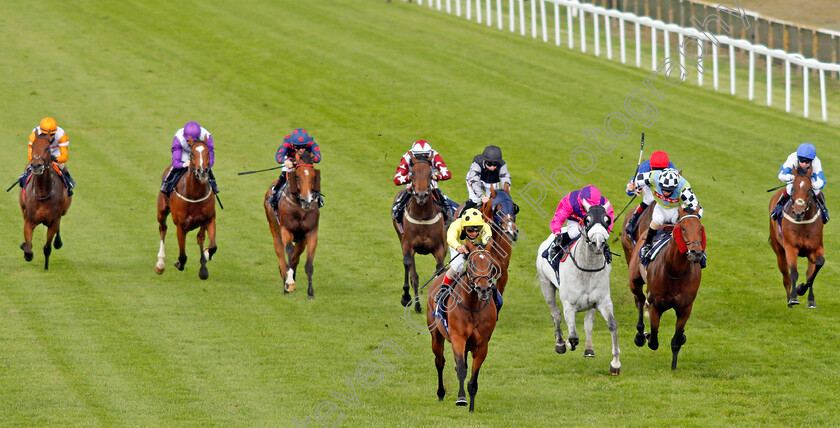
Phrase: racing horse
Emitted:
{"points": [[673, 278], [193, 207], [798, 233], [422, 227], [294, 224], [582, 282], [471, 318], [43, 200], [628, 242]]}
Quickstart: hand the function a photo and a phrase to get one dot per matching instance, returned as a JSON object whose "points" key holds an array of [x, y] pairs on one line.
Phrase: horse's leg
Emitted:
{"points": [[440, 361], [415, 282], [163, 212], [783, 267], [478, 357], [182, 243], [638, 294], [408, 261], [815, 263], [202, 271], [311, 244], [57, 244], [211, 234], [51, 231], [790, 258], [550, 295], [588, 323], [459, 346], [653, 340], [569, 313], [606, 310], [27, 240], [679, 333], [286, 238], [440, 255]]}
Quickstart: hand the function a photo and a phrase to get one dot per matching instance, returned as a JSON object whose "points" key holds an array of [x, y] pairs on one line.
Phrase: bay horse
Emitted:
{"points": [[422, 228], [193, 207], [471, 316], [582, 281], [672, 278], [628, 242], [801, 236], [294, 224], [43, 199]]}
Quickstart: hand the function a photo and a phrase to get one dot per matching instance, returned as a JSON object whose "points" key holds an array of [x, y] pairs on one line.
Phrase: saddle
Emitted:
{"points": [[441, 314], [562, 253], [659, 240]]}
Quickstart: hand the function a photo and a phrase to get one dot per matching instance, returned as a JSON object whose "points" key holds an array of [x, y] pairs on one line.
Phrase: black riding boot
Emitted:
{"points": [[213, 184], [275, 190], [68, 181], [24, 177], [631, 225], [823, 209], [646, 249], [560, 242], [399, 206], [780, 206], [441, 200], [607, 253], [166, 185]]}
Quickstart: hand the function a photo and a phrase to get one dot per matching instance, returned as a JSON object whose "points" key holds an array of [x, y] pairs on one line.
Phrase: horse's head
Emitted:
{"points": [[199, 159], [690, 235], [305, 180], [41, 155], [420, 173], [504, 213], [596, 224], [802, 194], [481, 273]]}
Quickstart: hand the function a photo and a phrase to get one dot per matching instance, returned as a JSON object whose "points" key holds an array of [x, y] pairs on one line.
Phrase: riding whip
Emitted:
{"points": [[12, 186], [769, 190], [440, 271], [638, 165], [259, 170]]}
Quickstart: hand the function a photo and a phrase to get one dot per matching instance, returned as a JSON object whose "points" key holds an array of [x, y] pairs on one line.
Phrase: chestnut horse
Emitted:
{"points": [[628, 242], [471, 316], [801, 235], [43, 200], [422, 227], [296, 220], [193, 207], [673, 279]]}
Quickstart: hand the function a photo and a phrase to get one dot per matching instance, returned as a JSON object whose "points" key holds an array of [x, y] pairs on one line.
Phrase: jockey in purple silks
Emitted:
{"points": [[181, 156], [571, 208]]}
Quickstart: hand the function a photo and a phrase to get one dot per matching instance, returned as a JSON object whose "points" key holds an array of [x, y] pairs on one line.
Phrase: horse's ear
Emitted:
{"points": [[293, 184], [317, 186], [492, 192]]}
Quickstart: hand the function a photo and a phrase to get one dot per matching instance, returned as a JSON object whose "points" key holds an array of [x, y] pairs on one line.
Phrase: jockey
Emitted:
{"points": [[804, 156], [296, 143], [571, 209], [466, 232], [421, 149], [59, 142], [488, 170], [670, 190], [658, 161], [181, 156]]}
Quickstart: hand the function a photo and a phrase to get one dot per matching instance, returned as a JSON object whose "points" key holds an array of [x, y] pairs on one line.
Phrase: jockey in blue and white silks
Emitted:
{"points": [[804, 156], [670, 191], [658, 161]]}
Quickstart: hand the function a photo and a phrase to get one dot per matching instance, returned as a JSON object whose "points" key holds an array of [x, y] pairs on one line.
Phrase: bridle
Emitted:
{"points": [[473, 279], [300, 199], [589, 223], [683, 246]]}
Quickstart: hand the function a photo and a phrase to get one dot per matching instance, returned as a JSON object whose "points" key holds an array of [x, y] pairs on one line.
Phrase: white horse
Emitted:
{"points": [[584, 285]]}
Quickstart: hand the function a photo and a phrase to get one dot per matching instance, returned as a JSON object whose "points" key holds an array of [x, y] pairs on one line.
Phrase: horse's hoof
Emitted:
{"points": [[28, 256], [615, 370], [179, 266], [573, 343], [406, 299], [639, 340], [560, 348], [202, 273], [417, 308], [801, 289], [461, 401], [310, 297], [812, 305], [23, 246], [793, 301], [588, 353], [58, 244]]}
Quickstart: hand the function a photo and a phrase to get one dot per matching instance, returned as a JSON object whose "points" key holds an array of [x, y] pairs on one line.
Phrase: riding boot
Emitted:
{"points": [[445, 289], [607, 253], [441, 200], [68, 181], [275, 190], [631, 225], [399, 206], [780, 206], [320, 197], [646, 249], [213, 184], [165, 186], [823, 209], [24, 177], [560, 242]]}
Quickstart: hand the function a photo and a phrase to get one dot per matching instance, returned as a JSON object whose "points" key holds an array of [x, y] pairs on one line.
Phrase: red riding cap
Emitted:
{"points": [[659, 160]]}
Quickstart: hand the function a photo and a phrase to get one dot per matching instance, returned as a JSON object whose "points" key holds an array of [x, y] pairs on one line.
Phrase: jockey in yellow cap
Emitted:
{"points": [[469, 230], [58, 147]]}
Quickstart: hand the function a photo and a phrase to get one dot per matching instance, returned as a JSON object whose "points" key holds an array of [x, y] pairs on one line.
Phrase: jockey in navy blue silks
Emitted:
{"points": [[658, 161], [805, 155], [298, 142]]}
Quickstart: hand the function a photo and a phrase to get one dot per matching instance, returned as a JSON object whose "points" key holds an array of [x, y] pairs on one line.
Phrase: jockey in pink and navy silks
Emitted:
{"points": [[804, 156], [571, 211], [296, 143], [181, 155]]}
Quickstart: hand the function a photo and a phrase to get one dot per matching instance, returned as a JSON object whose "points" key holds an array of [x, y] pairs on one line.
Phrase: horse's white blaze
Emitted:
{"points": [[306, 172], [801, 184], [290, 275], [200, 149]]}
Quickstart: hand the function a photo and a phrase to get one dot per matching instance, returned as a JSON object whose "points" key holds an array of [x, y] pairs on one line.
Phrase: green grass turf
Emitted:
{"points": [[99, 339]]}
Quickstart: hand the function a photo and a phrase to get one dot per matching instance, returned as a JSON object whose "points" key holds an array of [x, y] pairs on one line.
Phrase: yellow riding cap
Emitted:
{"points": [[472, 218], [48, 126], [456, 236]]}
